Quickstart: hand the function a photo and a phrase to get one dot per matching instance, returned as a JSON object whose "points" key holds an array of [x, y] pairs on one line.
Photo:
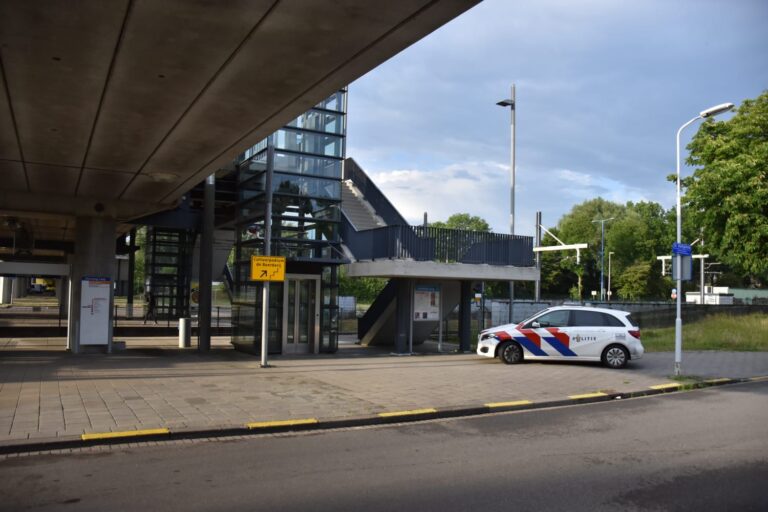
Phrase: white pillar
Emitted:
{"points": [[6, 290]]}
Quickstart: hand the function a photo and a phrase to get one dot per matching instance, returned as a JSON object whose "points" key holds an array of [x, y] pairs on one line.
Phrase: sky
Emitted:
{"points": [[601, 87]]}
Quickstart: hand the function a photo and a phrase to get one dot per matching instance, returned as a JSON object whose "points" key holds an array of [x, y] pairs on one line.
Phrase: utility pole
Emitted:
{"points": [[510, 102], [602, 254]]}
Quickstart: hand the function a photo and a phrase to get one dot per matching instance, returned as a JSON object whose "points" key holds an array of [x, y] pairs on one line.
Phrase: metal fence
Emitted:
{"points": [[424, 243]]}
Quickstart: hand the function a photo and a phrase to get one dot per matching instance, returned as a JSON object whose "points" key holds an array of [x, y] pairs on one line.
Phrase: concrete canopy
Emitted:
{"points": [[118, 107]]}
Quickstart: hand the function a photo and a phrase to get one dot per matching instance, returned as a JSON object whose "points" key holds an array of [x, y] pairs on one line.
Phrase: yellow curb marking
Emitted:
{"points": [[759, 379], [587, 395], [517, 403], [127, 433], [407, 413], [667, 386], [282, 423], [716, 381]]}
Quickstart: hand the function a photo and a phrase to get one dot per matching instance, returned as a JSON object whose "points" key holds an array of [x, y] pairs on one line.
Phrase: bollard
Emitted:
{"points": [[185, 333]]}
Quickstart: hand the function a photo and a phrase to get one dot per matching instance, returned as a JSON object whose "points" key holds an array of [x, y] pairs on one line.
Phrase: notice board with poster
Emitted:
{"points": [[426, 303], [94, 310]]}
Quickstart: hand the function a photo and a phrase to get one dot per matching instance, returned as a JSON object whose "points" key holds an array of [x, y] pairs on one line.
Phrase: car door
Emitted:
{"points": [[589, 333], [546, 335]]}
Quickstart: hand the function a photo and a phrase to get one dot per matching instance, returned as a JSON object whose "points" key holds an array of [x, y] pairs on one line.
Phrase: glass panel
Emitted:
{"points": [[306, 142], [306, 186], [305, 164], [306, 300], [256, 165], [586, 319], [321, 209], [319, 121], [611, 320], [291, 312], [335, 101], [553, 319]]}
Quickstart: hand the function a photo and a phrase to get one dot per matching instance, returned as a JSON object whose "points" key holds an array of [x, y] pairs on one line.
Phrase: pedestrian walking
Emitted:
{"points": [[149, 299]]}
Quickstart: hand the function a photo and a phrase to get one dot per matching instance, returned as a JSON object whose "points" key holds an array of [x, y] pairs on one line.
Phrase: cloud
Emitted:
{"points": [[601, 86]]}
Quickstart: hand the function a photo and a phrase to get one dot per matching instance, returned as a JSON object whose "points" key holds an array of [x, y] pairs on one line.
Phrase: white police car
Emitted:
{"points": [[572, 333]]}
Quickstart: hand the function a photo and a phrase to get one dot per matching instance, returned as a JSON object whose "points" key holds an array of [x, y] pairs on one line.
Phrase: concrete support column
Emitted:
{"points": [[131, 272], [403, 316], [94, 257], [206, 262], [465, 317], [62, 295], [19, 287], [6, 290]]}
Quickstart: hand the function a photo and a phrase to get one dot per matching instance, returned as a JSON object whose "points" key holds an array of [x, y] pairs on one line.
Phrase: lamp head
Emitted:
{"points": [[506, 103], [716, 110]]}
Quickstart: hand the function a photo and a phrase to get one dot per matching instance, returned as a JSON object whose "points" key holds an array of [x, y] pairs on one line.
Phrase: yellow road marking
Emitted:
{"points": [[715, 381], [127, 433], [759, 379], [407, 413], [587, 395], [667, 386], [509, 404], [282, 423]]}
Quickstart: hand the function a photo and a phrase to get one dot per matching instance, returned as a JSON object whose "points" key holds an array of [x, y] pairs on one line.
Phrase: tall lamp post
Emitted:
{"points": [[610, 253], [602, 255], [510, 102], [710, 112]]}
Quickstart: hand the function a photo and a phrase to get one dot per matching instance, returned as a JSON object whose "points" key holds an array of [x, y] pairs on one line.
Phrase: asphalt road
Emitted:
{"points": [[701, 450]]}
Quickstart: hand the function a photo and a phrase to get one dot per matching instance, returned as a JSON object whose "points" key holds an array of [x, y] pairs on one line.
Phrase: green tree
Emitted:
{"points": [[578, 227], [728, 194], [641, 234], [463, 221], [633, 282], [364, 289]]}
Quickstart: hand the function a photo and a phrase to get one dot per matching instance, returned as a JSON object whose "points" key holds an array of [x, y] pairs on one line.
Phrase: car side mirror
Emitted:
{"points": [[535, 325]]}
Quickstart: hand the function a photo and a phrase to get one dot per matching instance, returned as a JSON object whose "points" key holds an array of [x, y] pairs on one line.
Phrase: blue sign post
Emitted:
{"points": [[683, 254]]}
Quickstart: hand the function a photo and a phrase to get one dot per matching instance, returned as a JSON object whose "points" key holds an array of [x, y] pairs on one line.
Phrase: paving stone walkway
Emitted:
{"points": [[48, 393]]}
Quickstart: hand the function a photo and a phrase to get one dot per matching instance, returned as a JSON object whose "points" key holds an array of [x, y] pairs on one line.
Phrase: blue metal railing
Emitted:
{"points": [[422, 243]]}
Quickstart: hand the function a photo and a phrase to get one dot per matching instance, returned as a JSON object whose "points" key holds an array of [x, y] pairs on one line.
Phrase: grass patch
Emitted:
{"points": [[747, 333]]}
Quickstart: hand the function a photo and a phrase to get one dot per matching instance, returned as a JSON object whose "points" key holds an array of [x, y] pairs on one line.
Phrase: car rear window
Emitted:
{"points": [[612, 321], [586, 319], [594, 319]]}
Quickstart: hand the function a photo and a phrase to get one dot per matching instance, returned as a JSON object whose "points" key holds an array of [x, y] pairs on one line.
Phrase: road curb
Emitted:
{"points": [[254, 429]]}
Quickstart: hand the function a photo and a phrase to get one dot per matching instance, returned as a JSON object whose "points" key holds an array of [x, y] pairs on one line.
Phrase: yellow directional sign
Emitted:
{"points": [[267, 268]]}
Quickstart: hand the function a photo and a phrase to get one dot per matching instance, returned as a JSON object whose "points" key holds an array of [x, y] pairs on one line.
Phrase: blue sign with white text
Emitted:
{"points": [[681, 249]]}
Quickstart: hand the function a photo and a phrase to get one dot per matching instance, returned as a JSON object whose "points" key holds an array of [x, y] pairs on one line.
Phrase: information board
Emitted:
{"points": [[426, 303], [267, 268], [94, 310]]}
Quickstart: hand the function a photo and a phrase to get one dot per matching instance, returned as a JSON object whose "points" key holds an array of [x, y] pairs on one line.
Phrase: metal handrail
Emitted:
{"points": [[423, 243]]}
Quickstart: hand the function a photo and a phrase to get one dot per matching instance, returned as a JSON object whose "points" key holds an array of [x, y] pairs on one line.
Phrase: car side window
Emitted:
{"points": [[611, 321], [587, 319], [552, 319]]}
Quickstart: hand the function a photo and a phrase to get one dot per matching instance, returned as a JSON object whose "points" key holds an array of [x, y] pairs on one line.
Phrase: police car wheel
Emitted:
{"points": [[615, 356], [510, 352]]}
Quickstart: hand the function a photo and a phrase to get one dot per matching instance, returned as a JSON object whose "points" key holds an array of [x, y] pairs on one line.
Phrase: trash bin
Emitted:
{"points": [[185, 333]]}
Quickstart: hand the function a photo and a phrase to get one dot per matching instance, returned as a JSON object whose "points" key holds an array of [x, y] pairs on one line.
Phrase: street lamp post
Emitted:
{"points": [[602, 255], [610, 253], [510, 102], [710, 112]]}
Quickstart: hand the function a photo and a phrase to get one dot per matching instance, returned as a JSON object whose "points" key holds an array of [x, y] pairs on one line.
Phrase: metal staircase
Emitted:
{"points": [[168, 266]]}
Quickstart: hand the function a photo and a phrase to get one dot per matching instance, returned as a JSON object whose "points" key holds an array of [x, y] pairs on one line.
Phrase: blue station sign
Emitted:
{"points": [[681, 249]]}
